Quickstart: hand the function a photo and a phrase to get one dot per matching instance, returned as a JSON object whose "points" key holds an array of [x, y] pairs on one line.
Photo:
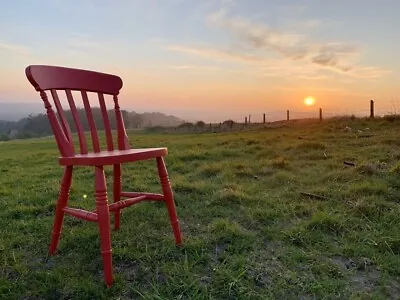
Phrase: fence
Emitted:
{"points": [[317, 114], [264, 119]]}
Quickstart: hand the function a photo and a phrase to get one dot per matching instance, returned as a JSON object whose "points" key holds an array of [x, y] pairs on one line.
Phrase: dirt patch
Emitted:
{"points": [[10, 274], [393, 288], [266, 265], [129, 270], [345, 263], [371, 168], [365, 281], [365, 276]]}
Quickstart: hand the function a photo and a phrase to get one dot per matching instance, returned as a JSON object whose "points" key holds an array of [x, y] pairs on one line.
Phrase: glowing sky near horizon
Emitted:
{"points": [[217, 58]]}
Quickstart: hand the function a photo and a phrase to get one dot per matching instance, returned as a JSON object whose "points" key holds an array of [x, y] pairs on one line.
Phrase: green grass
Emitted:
{"points": [[248, 231]]}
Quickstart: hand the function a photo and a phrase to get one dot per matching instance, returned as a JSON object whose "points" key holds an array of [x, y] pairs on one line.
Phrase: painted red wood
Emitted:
{"points": [[58, 78], [63, 144], [123, 142], [77, 121], [151, 196], [61, 204], [113, 157], [81, 214], [62, 78], [169, 198], [61, 115], [117, 186], [107, 126], [104, 223], [125, 203], [92, 124]]}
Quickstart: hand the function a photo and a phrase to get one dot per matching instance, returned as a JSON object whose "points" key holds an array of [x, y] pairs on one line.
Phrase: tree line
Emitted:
{"points": [[38, 125]]}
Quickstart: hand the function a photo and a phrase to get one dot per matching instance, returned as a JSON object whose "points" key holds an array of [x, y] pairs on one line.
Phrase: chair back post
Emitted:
{"points": [[64, 146], [123, 141]]}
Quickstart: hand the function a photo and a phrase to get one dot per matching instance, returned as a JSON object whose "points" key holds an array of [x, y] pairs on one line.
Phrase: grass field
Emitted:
{"points": [[248, 231]]}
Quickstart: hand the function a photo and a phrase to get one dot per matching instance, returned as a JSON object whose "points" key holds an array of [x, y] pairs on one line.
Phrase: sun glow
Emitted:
{"points": [[309, 101]]}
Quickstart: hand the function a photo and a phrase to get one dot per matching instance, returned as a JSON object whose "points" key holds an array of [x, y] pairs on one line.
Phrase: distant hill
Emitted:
{"points": [[159, 119], [13, 111], [34, 122]]}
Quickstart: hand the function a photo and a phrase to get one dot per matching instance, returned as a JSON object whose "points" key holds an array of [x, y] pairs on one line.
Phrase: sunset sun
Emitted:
{"points": [[309, 101]]}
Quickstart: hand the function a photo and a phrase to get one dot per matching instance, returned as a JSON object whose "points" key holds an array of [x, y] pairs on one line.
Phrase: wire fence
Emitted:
{"points": [[271, 118]]}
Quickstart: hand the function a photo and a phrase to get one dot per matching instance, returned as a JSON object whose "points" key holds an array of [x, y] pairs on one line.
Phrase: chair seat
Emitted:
{"points": [[113, 157]]}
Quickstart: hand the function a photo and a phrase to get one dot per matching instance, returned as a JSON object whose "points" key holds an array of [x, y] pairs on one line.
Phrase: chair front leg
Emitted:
{"points": [[117, 194], [104, 224], [62, 201], [169, 199]]}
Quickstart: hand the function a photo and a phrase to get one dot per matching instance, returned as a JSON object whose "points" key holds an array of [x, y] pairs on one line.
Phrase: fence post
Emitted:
{"points": [[245, 120], [320, 114], [371, 107], [249, 118], [287, 115], [264, 118]]}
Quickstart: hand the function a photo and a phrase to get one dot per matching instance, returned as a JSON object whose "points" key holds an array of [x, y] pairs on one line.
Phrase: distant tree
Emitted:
{"points": [[4, 137], [136, 120], [229, 123], [186, 124], [35, 126], [200, 124]]}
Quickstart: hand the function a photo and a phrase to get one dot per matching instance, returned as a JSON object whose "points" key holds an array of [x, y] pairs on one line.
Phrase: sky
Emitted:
{"points": [[213, 59]]}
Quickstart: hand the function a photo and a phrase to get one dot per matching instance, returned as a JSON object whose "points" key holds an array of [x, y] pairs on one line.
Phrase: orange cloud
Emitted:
{"points": [[337, 56], [214, 53]]}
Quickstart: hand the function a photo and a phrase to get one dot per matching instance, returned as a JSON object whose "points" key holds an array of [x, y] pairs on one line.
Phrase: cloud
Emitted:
{"points": [[259, 36], [14, 48], [196, 68], [302, 58], [369, 72], [215, 53], [266, 67], [313, 77], [290, 45], [251, 65]]}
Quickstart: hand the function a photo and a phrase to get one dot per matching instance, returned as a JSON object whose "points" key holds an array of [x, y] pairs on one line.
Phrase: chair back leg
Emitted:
{"points": [[169, 199], [117, 194]]}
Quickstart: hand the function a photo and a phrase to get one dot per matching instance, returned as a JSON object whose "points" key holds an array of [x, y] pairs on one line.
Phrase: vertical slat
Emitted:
{"points": [[78, 125], [107, 126], [92, 124], [123, 143], [61, 115]]}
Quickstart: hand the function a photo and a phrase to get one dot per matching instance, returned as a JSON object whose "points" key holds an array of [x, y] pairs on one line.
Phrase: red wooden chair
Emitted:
{"points": [[53, 79]]}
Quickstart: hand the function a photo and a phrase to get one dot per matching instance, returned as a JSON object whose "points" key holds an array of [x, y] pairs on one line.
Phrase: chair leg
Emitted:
{"points": [[104, 224], [63, 197], [169, 198], [117, 194]]}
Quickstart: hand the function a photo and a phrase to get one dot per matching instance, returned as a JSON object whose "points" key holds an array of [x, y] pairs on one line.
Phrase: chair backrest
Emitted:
{"points": [[68, 80]]}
